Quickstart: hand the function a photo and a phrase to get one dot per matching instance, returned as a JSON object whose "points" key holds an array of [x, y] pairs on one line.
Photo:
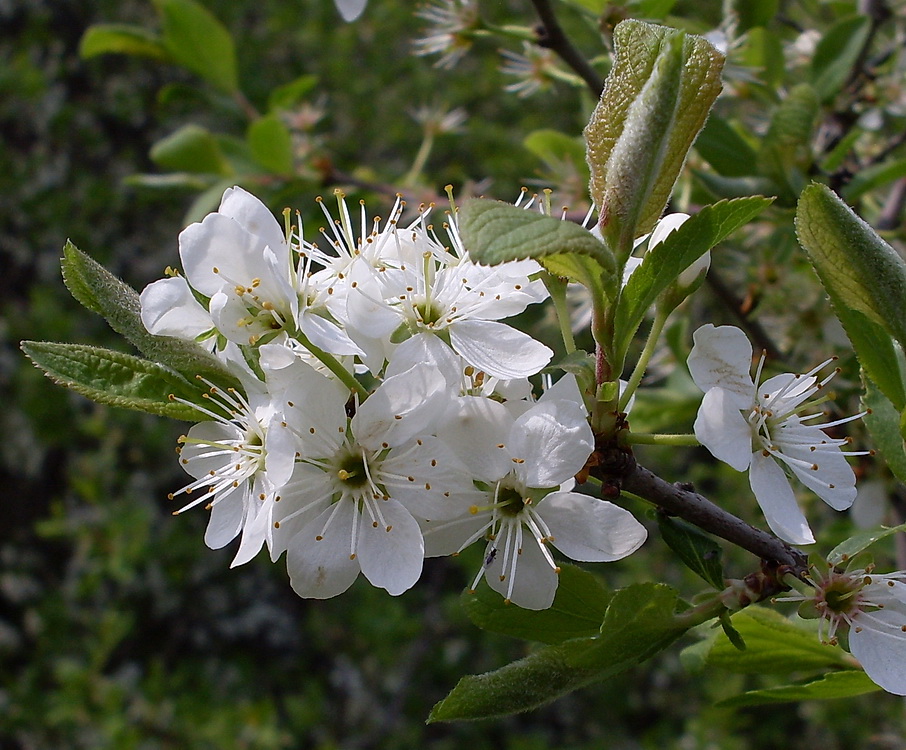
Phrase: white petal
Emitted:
{"points": [[590, 530], [392, 559], [256, 218], [668, 224], [535, 583], [722, 358], [775, 496], [404, 406], [833, 480], [327, 335], [722, 429], [169, 309], [322, 568], [879, 643], [225, 519], [255, 530], [498, 349], [550, 443], [475, 431], [425, 348], [198, 457], [350, 10], [221, 243], [448, 537]]}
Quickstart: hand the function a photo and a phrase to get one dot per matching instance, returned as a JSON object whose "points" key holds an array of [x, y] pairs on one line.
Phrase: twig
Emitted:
{"points": [[551, 36]]}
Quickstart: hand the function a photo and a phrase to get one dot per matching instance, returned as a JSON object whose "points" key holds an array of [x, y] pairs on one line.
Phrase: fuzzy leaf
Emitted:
{"points": [[843, 684], [866, 281], [125, 39], [118, 303], [649, 113], [863, 540], [577, 611], [698, 551], [190, 149], [774, 644], [883, 423], [678, 251], [196, 40], [115, 379]]}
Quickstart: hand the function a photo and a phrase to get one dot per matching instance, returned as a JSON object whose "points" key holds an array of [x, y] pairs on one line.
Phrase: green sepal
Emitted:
{"points": [[578, 610], [655, 101], [698, 551], [843, 684], [118, 303], [865, 279], [664, 263], [124, 39], [116, 379], [848, 549]]}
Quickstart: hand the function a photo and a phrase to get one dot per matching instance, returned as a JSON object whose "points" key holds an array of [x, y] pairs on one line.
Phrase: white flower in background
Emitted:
{"points": [[239, 462], [350, 10], [535, 69], [520, 461], [449, 34], [764, 428], [240, 259], [872, 608], [359, 483]]}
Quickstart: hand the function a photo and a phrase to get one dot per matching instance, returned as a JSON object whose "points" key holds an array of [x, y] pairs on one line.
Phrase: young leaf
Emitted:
{"points": [[577, 611], [196, 40], [863, 540], [883, 423], [190, 149], [118, 303], [677, 252], [115, 379], [843, 684], [865, 279], [698, 551], [724, 149], [639, 623], [774, 644], [120, 38], [837, 53], [271, 144], [290, 94], [655, 101]]}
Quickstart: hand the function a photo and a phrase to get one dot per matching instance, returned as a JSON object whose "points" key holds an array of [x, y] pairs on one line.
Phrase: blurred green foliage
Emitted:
{"points": [[118, 628]]}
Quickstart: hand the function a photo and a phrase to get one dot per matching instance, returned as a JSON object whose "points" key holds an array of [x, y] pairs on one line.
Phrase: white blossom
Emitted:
{"points": [[764, 428]]}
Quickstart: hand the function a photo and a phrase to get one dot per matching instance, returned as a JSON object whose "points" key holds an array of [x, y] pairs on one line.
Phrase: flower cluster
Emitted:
{"points": [[445, 446]]}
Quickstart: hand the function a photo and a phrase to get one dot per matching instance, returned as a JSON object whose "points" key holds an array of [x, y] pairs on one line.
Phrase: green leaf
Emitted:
{"points": [[271, 144], [698, 551], [836, 54], [874, 177], [883, 423], [863, 540], [774, 644], [865, 279], [735, 187], [290, 94], [655, 101], [755, 13], [577, 611], [495, 232], [724, 149], [117, 38], [843, 684], [101, 292], [554, 147], [196, 40], [678, 251], [785, 153], [190, 149], [639, 623], [115, 379]]}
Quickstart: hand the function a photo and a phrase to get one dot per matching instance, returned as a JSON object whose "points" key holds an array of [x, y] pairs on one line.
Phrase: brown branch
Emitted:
{"points": [[551, 36], [617, 469]]}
